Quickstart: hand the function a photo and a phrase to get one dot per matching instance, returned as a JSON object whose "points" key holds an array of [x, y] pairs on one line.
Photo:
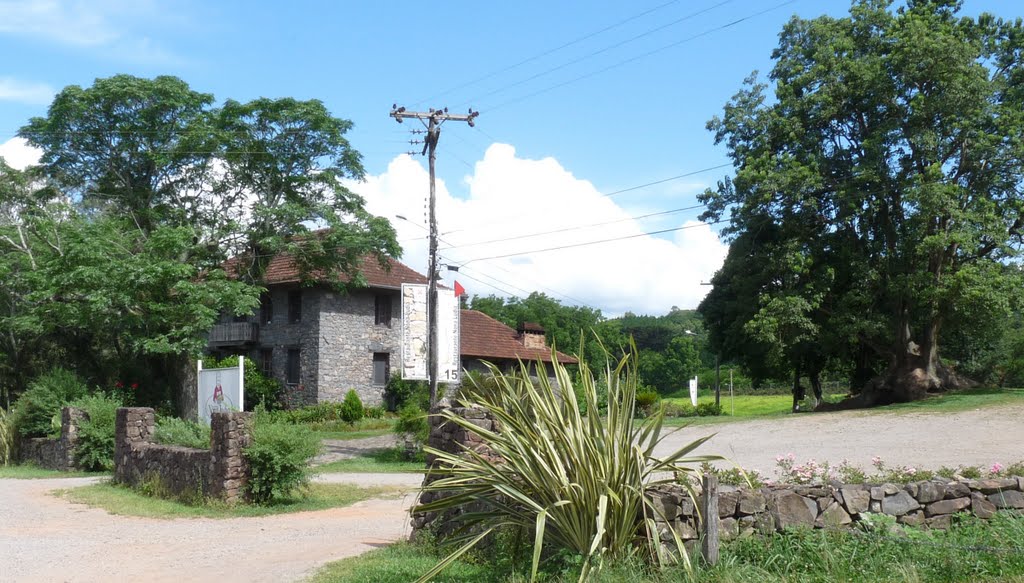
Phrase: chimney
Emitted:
{"points": [[531, 334]]}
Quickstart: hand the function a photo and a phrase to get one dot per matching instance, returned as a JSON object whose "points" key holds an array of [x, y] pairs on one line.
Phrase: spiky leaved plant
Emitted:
{"points": [[576, 482]]}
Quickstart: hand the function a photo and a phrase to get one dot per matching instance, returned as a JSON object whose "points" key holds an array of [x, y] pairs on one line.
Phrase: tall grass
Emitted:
{"points": [[575, 483]]}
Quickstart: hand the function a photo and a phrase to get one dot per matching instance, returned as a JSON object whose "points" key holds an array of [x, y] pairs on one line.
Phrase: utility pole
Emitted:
{"points": [[432, 119]]}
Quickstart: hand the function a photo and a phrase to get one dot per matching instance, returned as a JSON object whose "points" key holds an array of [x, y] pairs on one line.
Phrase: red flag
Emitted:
{"points": [[459, 290]]}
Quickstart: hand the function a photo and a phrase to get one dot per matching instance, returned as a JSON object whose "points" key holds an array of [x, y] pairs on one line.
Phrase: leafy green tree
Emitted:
{"points": [[158, 187], [667, 371], [891, 148]]}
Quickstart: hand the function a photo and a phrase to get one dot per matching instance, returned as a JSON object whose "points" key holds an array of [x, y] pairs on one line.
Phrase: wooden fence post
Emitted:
{"points": [[709, 516]]}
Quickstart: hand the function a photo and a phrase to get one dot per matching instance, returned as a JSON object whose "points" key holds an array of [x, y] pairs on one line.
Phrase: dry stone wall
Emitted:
{"points": [[744, 511], [56, 453], [220, 472], [930, 503]]}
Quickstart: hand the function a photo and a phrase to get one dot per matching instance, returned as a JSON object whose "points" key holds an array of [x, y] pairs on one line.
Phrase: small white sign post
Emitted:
{"points": [[221, 389], [693, 391]]}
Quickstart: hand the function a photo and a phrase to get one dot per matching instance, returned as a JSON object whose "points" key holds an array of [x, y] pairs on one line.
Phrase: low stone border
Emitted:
{"points": [[219, 472], [55, 453], [929, 503]]}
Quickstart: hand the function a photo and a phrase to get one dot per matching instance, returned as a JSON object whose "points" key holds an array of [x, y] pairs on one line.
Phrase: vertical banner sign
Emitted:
{"points": [[693, 391], [415, 331], [448, 362], [221, 389]]}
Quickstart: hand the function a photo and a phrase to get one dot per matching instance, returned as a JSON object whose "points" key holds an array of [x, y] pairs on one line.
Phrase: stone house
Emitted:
{"points": [[321, 343]]}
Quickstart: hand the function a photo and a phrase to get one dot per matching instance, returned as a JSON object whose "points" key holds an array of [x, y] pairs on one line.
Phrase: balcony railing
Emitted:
{"points": [[234, 333]]}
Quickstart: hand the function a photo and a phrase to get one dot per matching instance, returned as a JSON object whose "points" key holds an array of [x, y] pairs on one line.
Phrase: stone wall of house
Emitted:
{"points": [[929, 503], [219, 472], [349, 337], [281, 335], [744, 511], [55, 453]]}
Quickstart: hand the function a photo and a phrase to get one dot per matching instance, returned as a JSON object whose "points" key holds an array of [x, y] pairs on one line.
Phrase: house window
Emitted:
{"points": [[293, 372], [294, 306], [382, 310], [266, 308], [267, 362], [381, 368]]}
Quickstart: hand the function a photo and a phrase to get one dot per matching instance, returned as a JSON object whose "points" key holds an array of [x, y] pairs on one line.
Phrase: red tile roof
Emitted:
{"points": [[283, 269], [481, 336]]}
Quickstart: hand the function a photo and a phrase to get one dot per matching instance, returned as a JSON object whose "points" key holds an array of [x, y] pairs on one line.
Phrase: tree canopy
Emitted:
{"points": [[114, 244], [876, 201]]}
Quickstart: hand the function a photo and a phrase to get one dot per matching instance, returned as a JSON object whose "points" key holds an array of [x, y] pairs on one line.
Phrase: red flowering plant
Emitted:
{"points": [[125, 393]]}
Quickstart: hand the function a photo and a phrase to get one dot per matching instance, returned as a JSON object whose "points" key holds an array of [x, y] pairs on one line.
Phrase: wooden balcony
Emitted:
{"points": [[234, 334]]}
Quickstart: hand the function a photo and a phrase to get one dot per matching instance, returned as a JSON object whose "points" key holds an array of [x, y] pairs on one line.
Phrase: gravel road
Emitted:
{"points": [[47, 539], [923, 440]]}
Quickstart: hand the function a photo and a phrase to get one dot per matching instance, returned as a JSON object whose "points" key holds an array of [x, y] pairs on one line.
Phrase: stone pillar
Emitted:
{"points": [[230, 433], [70, 419], [133, 426]]}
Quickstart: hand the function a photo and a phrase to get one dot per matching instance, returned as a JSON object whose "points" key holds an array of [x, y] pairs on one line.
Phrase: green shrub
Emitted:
{"points": [[174, 431], [676, 410], [351, 407], [709, 409], [7, 439], [374, 412], [33, 412], [95, 449], [399, 392], [412, 424], [645, 402], [576, 481], [278, 458], [259, 390]]}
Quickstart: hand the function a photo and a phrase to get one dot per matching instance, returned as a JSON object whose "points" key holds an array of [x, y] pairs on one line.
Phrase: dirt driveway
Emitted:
{"points": [[924, 440], [45, 539]]}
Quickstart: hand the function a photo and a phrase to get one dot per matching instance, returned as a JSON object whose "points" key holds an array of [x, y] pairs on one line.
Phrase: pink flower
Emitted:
{"points": [[910, 471], [779, 458], [996, 468]]}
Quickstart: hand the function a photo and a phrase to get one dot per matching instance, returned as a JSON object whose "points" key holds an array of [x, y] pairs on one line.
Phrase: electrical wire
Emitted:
{"points": [[595, 53], [578, 227], [548, 52], [636, 58], [609, 240]]}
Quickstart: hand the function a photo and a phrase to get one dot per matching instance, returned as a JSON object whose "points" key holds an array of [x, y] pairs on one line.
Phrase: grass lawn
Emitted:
{"points": [[30, 472], [766, 406], [359, 430], [388, 461], [122, 500], [973, 550]]}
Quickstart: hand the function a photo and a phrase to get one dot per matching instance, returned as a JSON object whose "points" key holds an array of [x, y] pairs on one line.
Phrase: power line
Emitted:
{"points": [[609, 240], [578, 227], [599, 51], [540, 286], [640, 56], [549, 51], [669, 179]]}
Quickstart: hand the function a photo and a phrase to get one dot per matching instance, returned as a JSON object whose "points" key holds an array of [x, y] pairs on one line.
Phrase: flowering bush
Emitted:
{"points": [[791, 472]]}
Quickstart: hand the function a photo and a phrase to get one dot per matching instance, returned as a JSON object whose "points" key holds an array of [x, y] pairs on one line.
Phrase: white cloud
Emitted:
{"points": [[510, 197], [106, 26], [25, 91], [18, 154]]}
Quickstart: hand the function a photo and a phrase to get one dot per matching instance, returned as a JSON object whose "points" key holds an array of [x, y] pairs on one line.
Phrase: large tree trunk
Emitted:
{"points": [[916, 372], [187, 383]]}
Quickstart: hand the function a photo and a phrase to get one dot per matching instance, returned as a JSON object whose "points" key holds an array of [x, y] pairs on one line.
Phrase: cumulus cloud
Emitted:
{"points": [[510, 199], [25, 91], [18, 154]]}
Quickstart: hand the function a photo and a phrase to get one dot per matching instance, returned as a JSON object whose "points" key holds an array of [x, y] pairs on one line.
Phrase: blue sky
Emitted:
{"points": [[581, 98]]}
